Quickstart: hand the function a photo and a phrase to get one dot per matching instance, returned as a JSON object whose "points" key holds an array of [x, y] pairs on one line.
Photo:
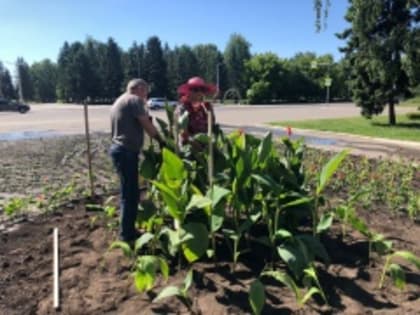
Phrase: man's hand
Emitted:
{"points": [[161, 142]]}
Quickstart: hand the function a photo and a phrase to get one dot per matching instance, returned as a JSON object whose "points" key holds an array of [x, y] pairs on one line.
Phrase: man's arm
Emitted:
{"points": [[149, 127]]}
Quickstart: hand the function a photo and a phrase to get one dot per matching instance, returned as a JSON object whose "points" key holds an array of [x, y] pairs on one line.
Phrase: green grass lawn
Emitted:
{"points": [[412, 102], [405, 129]]}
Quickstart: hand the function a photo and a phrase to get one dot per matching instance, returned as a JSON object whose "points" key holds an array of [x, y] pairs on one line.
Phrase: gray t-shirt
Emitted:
{"points": [[126, 129]]}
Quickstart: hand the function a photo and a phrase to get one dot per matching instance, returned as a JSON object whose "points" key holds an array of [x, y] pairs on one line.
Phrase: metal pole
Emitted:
{"points": [[1, 85], [327, 98], [138, 64], [20, 87], [218, 78], [89, 156]]}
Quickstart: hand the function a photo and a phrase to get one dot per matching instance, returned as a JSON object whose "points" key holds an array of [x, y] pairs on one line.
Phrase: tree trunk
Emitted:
{"points": [[391, 107]]}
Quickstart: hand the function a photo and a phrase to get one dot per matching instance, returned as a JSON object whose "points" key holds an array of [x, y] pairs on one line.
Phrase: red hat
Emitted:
{"points": [[196, 82]]}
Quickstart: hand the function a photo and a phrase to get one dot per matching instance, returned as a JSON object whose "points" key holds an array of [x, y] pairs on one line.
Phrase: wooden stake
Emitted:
{"points": [[89, 156], [210, 135], [56, 288]]}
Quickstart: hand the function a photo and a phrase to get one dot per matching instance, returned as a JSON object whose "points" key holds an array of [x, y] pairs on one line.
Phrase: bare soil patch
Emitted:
{"points": [[95, 280]]}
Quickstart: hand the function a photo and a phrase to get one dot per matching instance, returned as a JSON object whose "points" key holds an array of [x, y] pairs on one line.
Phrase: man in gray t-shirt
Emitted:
{"points": [[128, 120]]}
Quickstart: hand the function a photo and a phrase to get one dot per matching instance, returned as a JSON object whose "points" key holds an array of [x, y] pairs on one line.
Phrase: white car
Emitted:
{"points": [[159, 102]]}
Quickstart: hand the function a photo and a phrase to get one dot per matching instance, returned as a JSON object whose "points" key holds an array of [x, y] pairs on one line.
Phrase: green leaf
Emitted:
{"points": [[264, 180], [409, 257], [296, 202], [183, 120], [167, 292], [397, 275], [239, 167], [164, 268], [217, 218], [128, 252], [308, 295], [264, 240], [143, 280], [246, 225], [329, 169], [380, 244], [286, 280], [171, 200], [196, 247], [198, 201], [325, 222], [217, 194], [314, 246], [142, 240], [282, 233], [188, 280], [265, 147], [359, 225], [257, 297], [172, 166], [293, 257]]}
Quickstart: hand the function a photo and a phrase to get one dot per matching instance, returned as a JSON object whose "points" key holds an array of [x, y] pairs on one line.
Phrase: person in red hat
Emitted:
{"points": [[191, 100]]}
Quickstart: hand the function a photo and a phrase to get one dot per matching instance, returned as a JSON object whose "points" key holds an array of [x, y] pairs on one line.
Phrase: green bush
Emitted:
{"points": [[414, 115]]}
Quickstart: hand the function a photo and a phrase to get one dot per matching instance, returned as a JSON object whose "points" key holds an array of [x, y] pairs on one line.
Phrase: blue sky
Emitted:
{"points": [[36, 29]]}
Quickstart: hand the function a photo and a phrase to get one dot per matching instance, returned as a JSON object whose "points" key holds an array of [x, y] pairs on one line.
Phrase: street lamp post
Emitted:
{"points": [[1, 85], [328, 80], [218, 76]]}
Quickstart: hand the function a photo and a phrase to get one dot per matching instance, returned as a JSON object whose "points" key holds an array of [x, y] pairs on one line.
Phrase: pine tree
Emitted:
{"points": [[155, 67], [113, 71], [6, 86], [236, 54], [379, 37], [25, 86], [44, 76], [63, 79], [134, 62]]}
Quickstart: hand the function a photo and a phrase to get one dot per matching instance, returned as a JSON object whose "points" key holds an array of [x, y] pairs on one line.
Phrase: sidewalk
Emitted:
{"points": [[359, 145]]}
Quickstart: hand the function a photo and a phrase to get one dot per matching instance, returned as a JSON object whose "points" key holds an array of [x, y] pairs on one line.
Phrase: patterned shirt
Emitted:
{"points": [[197, 118]]}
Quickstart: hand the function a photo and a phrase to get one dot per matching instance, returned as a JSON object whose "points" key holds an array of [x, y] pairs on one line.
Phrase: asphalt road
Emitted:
{"points": [[68, 119], [58, 119]]}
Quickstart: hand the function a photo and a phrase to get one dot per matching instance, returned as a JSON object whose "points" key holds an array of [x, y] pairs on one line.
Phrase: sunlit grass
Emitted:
{"points": [[405, 129]]}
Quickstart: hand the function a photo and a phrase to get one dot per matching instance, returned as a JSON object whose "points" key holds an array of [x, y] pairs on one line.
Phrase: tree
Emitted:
{"points": [[236, 54], [211, 65], [134, 62], [63, 75], [95, 52], [264, 72], [44, 76], [303, 83], [155, 67], [6, 86], [186, 64], [113, 71], [379, 37], [25, 86], [171, 71], [321, 11]]}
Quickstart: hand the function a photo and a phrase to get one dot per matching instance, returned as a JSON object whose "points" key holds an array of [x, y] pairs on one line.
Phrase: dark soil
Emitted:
{"points": [[94, 280]]}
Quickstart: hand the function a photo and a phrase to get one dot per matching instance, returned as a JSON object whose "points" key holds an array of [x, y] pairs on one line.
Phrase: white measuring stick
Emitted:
{"points": [[56, 270]]}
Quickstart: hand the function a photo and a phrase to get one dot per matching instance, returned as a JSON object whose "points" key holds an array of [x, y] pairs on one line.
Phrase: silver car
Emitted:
{"points": [[159, 103]]}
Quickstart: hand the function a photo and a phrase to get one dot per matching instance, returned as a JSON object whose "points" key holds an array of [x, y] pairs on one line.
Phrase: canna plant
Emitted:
{"points": [[241, 184], [144, 268], [180, 292], [395, 270]]}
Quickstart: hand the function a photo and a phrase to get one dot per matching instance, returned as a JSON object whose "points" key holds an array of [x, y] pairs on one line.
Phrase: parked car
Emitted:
{"points": [[159, 102], [9, 105]]}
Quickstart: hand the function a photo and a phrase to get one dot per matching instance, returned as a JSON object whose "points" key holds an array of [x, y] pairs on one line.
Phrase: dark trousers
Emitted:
{"points": [[126, 163]]}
